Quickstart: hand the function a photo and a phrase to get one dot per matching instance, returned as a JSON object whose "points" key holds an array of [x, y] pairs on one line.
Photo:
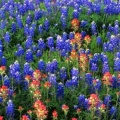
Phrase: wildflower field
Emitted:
{"points": [[59, 60]]}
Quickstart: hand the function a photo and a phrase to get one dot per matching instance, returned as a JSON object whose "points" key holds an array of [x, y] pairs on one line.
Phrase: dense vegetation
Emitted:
{"points": [[59, 59]]}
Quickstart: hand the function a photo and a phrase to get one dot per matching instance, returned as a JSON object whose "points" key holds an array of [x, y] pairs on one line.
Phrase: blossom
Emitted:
{"points": [[93, 101], [75, 23], [25, 117], [2, 70], [1, 117], [65, 108], [37, 94], [55, 114], [4, 91], [78, 38], [37, 75], [87, 39], [47, 84], [74, 119], [40, 109], [20, 108], [74, 55], [107, 78]]}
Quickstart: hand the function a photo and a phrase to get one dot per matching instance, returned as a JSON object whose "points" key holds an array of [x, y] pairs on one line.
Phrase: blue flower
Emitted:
{"points": [[63, 73], [75, 13], [60, 91], [41, 65], [107, 100], [64, 36], [29, 55], [52, 79], [10, 109], [46, 24], [7, 37], [113, 112], [74, 72]]}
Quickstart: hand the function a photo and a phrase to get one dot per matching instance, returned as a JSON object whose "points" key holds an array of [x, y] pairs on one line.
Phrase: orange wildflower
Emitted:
{"points": [[87, 39], [107, 78], [55, 114]]}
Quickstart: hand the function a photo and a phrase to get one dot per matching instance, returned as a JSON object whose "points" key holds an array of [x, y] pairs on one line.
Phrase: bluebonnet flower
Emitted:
{"points": [[60, 91], [71, 35], [81, 100], [34, 48], [20, 51], [10, 109], [52, 79], [63, 21], [110, 47], [31, 31], [68, 46], [1, 99], [41, 44], [7, 37], [50, 42], [27, 70], [116, 29], [115, 81], [63, 73], [107, 100], [41, 65], [29, 19], [108, 35], [13, 27], [54, 66], [113, 111], [83, 23], [18, 77], [19, 21], [10, 93], [37, 14], [117, 64], [64, 11], [83, 33], [39, 53], [94, 27], [40, 28], [11, 10], [64, 36], [26, 30], [28, 42], [2, 13], [74, 72], [99, 40], [59, 43], [14, 68], [97, 8], [6, 81], [75, 13], [110, 28], [3, 61], [46, 24], [114, 40], [1, 53], [88, 78], [64, 53], [97, 84], [74, 81], [29, 55], [105, 67], [105, 47], [2, 24], [93, 66]]}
